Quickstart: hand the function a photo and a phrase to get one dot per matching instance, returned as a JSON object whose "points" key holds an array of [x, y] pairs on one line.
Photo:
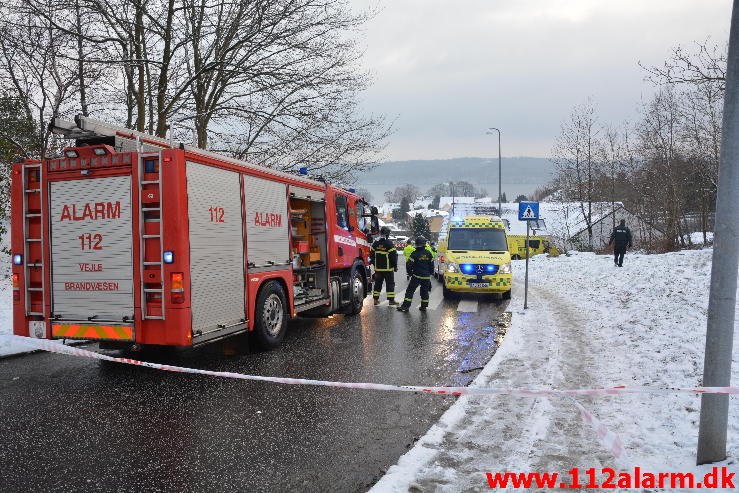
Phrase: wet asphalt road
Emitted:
{"points": [[73, 424]]}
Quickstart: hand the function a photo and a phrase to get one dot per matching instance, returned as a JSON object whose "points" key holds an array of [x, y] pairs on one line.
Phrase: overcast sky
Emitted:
{"points": [[448, 69]]}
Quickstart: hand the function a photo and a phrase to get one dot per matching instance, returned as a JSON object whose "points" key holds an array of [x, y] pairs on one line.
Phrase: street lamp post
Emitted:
{"points": [[451, 187], [500, 174]]}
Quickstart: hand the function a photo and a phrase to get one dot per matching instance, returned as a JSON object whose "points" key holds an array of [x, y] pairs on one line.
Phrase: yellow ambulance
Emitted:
{"points": [[473, 257], [537, 244]]}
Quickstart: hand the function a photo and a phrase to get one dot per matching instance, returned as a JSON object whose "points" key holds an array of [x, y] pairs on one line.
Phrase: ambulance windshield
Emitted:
{"points": [[477, 239]]}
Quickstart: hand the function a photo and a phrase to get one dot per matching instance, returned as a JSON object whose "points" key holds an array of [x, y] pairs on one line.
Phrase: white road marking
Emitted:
{"points": [[467, 306], [436, 296]]}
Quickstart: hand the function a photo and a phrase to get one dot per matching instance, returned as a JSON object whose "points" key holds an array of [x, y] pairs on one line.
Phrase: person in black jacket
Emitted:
{"points": [[621, 238], [385, 259], [420, 266]]}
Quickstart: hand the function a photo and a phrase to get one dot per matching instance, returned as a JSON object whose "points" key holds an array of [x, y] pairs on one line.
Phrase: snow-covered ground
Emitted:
{"points": [[588, 324], [6, 319]]}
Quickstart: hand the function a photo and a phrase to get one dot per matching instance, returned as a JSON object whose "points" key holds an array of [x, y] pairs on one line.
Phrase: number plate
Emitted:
{"points": [[479, 285]]}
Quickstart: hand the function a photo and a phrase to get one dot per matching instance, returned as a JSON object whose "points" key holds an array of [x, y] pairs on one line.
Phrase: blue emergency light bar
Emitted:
{"points": [[17, 259]]}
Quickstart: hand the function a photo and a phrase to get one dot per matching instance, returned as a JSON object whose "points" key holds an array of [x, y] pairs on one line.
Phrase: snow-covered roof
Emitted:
{"points": [[428, 213], [392, 226], [446, 202]]}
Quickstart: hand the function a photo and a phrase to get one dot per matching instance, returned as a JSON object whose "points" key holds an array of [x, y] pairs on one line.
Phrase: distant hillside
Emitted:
{"points": [[521, 175]]}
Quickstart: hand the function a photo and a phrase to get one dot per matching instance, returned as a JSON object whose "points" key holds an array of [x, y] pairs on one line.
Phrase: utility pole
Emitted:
{"points": [[722, 299]]}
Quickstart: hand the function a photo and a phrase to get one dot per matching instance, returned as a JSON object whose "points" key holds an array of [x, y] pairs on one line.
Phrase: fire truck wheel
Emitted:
{"points": [[506, 295], [357, 293], [270, 321]]}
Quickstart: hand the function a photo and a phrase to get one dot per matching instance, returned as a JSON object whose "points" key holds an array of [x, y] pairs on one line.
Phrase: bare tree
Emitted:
{"points": [[408, 192], [704, 63], [276, 83], [575, 155], [36, 70]]}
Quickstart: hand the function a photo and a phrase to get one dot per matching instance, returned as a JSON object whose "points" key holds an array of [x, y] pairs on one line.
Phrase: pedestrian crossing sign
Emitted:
{"points": [[528, 211]]}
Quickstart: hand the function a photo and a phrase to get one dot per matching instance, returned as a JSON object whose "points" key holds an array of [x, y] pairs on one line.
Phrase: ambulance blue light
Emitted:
{"points": [[467, 268], [303, 170], [17, 259], [491, 268], [168, 257], [352, 190], [457, 219]]}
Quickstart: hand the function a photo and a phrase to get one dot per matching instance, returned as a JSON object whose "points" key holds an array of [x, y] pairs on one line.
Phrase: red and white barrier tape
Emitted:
{"points": [[55, 347], [609, 439]]}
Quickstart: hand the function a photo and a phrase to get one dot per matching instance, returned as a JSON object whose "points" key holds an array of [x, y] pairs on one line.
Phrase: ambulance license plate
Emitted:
{"points": [[479, 285]]}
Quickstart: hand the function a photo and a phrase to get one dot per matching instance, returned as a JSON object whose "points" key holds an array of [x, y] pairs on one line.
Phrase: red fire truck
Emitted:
{"points": [[130, 240]]}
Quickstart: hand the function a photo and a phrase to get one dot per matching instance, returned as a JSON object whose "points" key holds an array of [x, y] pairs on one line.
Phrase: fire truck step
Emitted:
{"points": [[152, 236], [150, 182], [33, 190], [152, 263], [35, 289], [33, 215], [33, 239], [36, 313], [152, 290]]}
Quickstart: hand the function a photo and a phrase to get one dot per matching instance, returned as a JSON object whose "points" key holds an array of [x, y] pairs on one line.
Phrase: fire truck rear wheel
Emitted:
{"points": [[270, 321]]}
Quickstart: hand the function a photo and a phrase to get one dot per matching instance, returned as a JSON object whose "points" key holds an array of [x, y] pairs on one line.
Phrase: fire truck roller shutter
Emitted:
{"points": [[91, 248], [216, 248], [267, 223]]}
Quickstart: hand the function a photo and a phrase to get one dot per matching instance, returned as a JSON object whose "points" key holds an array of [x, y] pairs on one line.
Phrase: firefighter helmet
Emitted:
{"points": [[385, 231], [420, 242]]}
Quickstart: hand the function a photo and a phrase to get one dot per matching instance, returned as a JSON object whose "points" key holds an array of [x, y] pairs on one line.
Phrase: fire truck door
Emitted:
{"points": [[216, 248], [91, 249], [344, 244]]}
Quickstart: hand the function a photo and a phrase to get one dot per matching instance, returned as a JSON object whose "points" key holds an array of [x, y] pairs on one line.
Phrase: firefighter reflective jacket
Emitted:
{"points": [[383, 255], [420, 263]]}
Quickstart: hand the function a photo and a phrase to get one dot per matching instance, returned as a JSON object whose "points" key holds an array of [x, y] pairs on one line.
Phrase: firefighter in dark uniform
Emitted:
{"points": [[385, 259], [621, 238], [420, 266]]}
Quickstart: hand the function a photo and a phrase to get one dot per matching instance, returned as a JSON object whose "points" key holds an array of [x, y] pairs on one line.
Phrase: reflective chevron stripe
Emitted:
{"points": [[78, 331]]}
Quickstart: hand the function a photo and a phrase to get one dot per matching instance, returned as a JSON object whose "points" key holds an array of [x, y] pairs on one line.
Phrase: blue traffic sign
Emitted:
{"points": [[528, 211]]}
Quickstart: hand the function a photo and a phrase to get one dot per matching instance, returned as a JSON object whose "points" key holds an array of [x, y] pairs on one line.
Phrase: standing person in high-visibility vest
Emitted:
{"points": [[420, 266], [385, 259], [408, 249]]}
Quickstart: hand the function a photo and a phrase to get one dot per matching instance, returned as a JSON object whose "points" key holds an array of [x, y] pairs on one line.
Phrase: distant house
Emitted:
{"points": [[445, 203], [422, 203], [385, 210], [434, 217]]}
